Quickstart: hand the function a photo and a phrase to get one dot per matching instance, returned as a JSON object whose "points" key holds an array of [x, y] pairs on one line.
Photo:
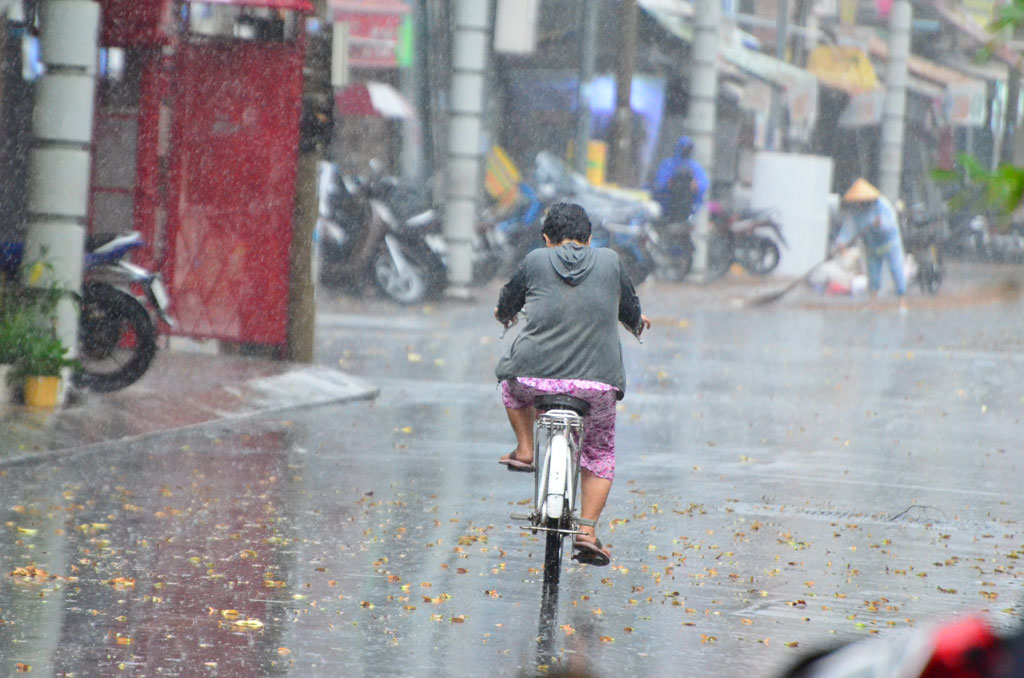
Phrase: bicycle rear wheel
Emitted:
{"points": [[553, 551], [556, 508]]}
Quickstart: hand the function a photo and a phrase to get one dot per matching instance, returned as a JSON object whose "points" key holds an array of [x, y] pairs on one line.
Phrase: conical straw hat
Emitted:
{"points": [[861, 191]]}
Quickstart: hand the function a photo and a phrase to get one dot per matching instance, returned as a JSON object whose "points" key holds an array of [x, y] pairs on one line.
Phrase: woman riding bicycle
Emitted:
{"points": [[573, 296]]}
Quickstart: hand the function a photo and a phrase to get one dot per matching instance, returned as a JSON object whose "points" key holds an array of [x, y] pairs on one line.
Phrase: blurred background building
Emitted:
{"points": [[204, 110]]}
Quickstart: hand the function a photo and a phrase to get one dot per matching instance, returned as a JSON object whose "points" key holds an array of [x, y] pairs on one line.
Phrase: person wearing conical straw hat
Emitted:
{"points": [[871, 217]]}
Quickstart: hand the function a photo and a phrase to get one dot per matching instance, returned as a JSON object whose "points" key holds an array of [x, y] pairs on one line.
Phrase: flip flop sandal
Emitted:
{"points": [[590, 553], [513, 464]]}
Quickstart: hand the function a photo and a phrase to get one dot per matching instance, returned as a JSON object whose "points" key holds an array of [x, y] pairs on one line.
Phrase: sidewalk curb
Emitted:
{"points": [[298, 387]]}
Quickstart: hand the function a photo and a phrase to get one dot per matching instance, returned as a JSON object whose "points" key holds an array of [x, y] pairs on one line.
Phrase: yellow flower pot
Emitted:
{"points": [[41, 391]]}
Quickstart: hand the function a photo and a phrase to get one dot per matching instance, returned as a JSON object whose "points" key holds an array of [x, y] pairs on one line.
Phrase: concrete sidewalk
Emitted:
{"points": [[181, 389]]}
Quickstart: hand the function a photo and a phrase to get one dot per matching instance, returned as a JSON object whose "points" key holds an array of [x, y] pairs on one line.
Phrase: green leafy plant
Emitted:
{"points": [[43, 356], [16, 332], [28, 323]]}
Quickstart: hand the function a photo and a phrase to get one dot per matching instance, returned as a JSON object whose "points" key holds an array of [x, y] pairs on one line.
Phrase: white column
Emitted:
{"points": [[701, 118], [893, 113], [59, 162], [465, 138]]}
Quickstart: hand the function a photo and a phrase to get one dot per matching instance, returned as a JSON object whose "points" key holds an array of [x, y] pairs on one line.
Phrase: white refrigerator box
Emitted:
{"points": [[797, 187]]}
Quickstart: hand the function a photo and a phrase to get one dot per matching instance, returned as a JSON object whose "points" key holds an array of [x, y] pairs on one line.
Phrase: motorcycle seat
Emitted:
{"points": [[94, 241]]}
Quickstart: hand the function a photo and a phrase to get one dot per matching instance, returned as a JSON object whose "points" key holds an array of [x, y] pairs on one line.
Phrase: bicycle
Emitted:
{"points": [[556, 477]]}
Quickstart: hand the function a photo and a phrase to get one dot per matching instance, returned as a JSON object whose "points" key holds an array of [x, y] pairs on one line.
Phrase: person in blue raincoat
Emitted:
{"points": [[681, 183], [871, 217]]}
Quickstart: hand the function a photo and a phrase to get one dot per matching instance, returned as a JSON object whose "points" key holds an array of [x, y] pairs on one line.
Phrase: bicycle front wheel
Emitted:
{"points": [[552, 552]]}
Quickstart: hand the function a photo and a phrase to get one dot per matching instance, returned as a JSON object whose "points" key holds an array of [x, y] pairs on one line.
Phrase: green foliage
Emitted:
{"points": [[16, 331], [43, 355], [1000, 191], [28, 323], [1009, 17]]}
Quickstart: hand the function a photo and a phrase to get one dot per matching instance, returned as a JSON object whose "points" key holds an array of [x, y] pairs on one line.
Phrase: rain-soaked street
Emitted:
{"points": [[789, 477]]}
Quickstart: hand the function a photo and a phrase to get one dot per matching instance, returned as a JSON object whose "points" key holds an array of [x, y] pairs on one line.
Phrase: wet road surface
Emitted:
{"points": [[789, 478]]}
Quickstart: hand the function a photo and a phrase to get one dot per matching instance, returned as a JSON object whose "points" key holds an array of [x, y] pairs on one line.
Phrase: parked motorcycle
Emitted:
{"points": [[633, 239], [750, 238], [377, 228], [116, 332], [505, 236]]}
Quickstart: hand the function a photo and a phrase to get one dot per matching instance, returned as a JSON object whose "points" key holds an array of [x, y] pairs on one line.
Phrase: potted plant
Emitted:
{"points": [[28, 336], [39, 366]]}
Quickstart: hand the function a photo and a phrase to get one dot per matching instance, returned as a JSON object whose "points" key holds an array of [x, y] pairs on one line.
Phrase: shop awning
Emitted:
{"points": [[676, 17], [990, 71], [919, 67], [964, 98], [974, 31], [843, 68], [776, 72], [294, 5], [374, 100], [800, 86], [675, 20]]}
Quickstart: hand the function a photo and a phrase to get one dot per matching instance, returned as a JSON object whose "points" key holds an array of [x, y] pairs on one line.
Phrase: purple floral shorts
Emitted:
{"points": [[598, 453]]}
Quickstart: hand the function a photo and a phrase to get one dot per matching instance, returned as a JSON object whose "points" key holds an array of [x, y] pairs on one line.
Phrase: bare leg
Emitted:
{"points": [[522, 426], [594, 494]]}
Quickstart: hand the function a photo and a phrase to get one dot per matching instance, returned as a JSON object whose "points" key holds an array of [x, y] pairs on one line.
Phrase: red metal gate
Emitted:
{"points": [[235, 134], [217, 99]]}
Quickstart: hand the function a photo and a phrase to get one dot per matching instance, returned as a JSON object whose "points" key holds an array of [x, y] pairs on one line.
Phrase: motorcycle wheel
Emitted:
{"points": [[487, 261], [720, 249], [683, 263], [117, 338], [761, 256], [673, 256], [423, 277]]}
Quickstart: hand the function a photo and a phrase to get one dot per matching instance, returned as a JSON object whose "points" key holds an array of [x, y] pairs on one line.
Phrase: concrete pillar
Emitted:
{"points": [[465, 138], [620, 150], [893, 113], [701, 119], [588, 57], [776, 140], [59, 163]]}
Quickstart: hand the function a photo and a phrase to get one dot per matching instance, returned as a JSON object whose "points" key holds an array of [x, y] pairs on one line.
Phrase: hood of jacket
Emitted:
{"points": [[683, 147], [572, 262]]}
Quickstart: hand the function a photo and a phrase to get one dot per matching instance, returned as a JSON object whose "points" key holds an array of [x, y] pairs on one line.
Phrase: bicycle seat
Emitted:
{"points": [[560, 401]]}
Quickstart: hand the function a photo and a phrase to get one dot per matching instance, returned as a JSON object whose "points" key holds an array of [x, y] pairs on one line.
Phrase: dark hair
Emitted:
{"points": [[566, 221]]}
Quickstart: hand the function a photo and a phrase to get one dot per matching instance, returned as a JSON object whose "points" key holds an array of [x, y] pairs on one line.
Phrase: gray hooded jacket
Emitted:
{"points": [[573, 297]]}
